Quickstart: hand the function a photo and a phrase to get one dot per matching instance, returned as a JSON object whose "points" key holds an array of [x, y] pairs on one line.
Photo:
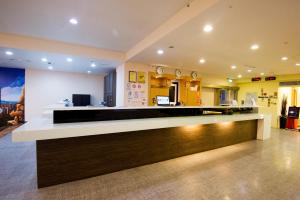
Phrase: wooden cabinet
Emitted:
{"points": [[189, 89], [110, 82]]}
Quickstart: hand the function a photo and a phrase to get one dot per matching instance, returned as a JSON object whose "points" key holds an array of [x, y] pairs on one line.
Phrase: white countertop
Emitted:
{"points": [[44, 129]]}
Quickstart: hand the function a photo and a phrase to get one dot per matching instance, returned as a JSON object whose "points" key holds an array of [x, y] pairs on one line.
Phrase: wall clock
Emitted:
{"points": [[194, 75], [178, 73], [159, 70]]}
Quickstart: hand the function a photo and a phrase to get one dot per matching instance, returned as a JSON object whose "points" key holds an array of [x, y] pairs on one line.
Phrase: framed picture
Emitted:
{"points": [[132, 76], [141, 77]]}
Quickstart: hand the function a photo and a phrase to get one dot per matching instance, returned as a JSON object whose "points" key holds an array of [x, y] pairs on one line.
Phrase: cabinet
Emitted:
{"points": [[110, 89]]}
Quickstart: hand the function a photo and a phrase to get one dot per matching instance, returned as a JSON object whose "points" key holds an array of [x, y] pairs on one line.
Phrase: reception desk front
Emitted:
{"points": [[76, 150]]}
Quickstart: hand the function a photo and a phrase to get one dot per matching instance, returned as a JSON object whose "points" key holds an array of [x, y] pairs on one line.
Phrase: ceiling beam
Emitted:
{"points": [[51, 46], [195, 8]]}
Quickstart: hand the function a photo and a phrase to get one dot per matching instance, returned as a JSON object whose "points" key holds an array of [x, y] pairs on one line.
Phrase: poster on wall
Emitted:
{"points": [[141, 77], [136, 94], [12, 98]]}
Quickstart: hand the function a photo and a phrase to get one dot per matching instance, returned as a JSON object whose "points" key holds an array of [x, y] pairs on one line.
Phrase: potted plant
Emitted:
{"points": [[283, 116]]}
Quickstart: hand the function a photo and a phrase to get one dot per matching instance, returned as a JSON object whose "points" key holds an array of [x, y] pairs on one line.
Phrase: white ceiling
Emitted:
{"points": [[237, 25], [31, 59], [110, 24], [119, 25]]}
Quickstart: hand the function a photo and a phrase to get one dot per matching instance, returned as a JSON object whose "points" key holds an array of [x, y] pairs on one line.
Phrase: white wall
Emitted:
{"points": [[43, 88], [120, 90]]}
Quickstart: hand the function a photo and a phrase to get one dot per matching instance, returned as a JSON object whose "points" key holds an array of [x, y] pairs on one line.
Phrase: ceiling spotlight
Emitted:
{"points": [[297, 64], [160, 52], [73, 21], [249, 70], [9, 53], [239, 76], [93, 64], [89, 72], [230, 80], [262, 74], [208, 28], [44, 60], [50, 67], [284, 58], [233, 67], [254, 47], [202, 61], [69, 60]]}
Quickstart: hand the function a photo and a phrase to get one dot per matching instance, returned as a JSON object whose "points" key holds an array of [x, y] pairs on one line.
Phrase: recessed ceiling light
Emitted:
{"points": [[284, 58], [73, 21], [160, 52], [233, 67], [202, 61], [297, 64], [239, 76], [230, 80], [69, 59], [262, 74], [93, 64], [50, 67], [44, 60], [254, 47], [249, 70], [9, 53], [208, 28], [89, 72]]}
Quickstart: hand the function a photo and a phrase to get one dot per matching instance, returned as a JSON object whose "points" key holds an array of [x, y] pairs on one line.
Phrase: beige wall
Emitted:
{"points": [[208, 96], [123, 76], [44, 88], [269, 87]]}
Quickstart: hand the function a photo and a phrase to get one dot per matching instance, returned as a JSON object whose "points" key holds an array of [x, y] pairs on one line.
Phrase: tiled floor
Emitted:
{"points": [[252, 170]]}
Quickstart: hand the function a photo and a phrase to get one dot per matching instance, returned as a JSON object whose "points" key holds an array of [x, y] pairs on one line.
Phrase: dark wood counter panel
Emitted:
{"points": [[69, 159]]}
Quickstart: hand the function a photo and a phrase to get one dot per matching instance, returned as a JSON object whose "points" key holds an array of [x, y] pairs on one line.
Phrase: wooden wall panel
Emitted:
{"points": [[64, 160]]}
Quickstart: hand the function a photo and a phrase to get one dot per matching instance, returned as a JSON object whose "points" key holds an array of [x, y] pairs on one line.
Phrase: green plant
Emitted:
{"points": [[283, 105]]}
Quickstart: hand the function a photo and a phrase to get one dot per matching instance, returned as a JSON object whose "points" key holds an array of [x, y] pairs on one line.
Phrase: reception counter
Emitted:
{"points": [[76, 150]]}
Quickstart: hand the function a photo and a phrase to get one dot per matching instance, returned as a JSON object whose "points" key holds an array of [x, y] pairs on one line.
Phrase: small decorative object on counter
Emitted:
{"points": [[67, 102]]}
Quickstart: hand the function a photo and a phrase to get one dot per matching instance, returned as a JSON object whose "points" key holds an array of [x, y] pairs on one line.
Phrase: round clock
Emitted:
{"points": [[159, 70], [194, 75], [178, 73]]}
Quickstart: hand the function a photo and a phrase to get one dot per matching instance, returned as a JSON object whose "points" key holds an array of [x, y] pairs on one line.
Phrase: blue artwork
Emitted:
{"points": [[12, 97]]}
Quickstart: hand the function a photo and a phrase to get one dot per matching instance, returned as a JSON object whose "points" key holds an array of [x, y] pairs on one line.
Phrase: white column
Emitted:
{"points": [[264, 127]]}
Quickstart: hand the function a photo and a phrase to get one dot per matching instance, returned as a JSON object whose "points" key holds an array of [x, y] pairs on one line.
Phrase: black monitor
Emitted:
{"points": [[293, 112], [81, 99]]}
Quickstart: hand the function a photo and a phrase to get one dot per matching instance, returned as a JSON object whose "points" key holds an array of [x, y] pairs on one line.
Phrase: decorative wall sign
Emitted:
{"points": [[270, 78], [132, 76], [141, 77], [12, 98], [256, 79], [136, 94]]}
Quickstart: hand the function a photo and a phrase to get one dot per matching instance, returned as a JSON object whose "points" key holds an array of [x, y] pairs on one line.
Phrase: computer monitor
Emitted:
{"points": [[81, 99], [163, 100], [293, 112]]}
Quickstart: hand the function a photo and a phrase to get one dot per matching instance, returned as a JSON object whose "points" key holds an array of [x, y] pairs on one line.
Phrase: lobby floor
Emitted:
{"points": [[251, 170]]}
